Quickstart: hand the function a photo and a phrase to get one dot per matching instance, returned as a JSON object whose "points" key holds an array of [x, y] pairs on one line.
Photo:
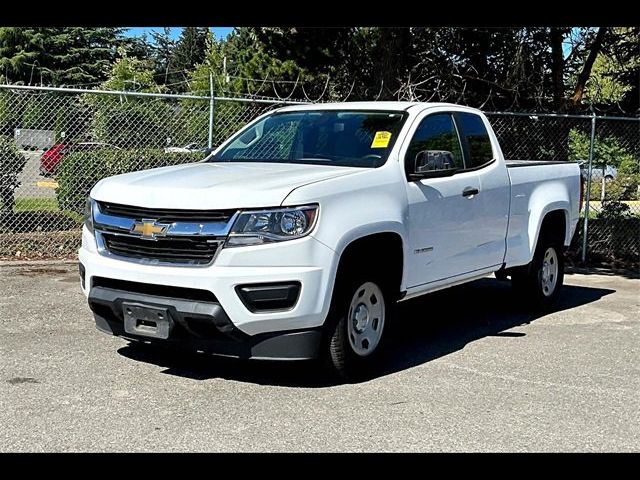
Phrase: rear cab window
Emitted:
{"points": [[475, 139]]}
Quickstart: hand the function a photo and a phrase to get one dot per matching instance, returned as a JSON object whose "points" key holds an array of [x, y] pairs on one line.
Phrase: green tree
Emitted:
{"points": [[131, 74], [11, 164], [161, 52], [606, 151], [615, 74], [57, 55], [130, 121], [196, 112], [499, 68], [190, 50], [12, 106]]}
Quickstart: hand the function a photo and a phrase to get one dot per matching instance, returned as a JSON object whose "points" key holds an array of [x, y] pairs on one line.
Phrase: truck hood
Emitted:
{"points": [[213, 185]]}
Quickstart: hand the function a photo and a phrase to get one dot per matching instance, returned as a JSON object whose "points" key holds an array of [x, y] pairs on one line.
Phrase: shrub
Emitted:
{"points": [[135, 122], [613, 209], [80, 171], [606, 151], [11, 164], [624, 187], [629, 166]]}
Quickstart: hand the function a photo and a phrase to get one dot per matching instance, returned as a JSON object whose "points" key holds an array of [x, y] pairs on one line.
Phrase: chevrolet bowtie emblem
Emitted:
{"points": [[150, 228]]}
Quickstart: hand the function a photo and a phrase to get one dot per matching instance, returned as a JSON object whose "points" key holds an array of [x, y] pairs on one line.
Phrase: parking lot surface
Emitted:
{"points": [[467, 369]]}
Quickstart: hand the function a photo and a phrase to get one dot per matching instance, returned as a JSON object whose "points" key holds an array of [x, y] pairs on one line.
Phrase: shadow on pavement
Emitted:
{"points": [[426, 328], [608, 271]]}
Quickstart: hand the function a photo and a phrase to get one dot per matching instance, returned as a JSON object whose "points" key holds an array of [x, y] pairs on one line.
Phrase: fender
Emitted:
{"points": [[359, 205], [545, 198]]}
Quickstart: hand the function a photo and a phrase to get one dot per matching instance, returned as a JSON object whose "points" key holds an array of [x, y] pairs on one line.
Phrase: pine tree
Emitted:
{"points": [[190, 50], [162, 51], [57, 55]]}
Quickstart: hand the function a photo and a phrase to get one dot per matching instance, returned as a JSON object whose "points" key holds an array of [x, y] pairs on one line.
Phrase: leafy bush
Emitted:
{"points": [[613, 209], [80, 171], [624, 187], [606, 151], [629, 166], [134, 122], [11, 164]]}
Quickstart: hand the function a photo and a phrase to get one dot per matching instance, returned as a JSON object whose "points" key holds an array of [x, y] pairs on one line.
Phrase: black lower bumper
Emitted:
{"points": [[195, 325]]}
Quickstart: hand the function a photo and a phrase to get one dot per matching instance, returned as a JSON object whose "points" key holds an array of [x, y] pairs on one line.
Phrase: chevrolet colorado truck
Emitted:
{"points": [[295, 238]]}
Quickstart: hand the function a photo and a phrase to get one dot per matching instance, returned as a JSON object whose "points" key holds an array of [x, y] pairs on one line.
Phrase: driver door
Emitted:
{"points": [[441, 220]]}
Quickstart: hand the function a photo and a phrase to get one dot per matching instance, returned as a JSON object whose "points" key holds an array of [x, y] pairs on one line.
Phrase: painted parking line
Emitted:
{"points": [[47, 184]]}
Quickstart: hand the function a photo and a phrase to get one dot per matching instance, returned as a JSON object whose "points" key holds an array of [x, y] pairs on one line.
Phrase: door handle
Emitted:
{"points": [[470, 191]]}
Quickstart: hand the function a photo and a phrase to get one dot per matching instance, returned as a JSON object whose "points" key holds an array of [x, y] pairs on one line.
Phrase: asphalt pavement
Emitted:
{"points": [[468, 369], [30, 177]]}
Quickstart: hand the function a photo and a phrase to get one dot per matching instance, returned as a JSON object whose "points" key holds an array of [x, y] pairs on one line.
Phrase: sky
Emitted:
{"points": [[223, 32], [219, 32]]}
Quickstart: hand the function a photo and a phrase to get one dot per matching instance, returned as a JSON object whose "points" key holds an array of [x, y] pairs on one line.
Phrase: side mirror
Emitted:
{"points": [[433, 164]]}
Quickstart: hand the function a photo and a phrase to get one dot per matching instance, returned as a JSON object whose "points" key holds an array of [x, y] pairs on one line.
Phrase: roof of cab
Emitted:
{"points": [[393, 106]]}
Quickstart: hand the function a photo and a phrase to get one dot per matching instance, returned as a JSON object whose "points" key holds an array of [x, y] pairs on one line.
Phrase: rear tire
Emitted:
{"points": [[539, 283], [355, 327]]}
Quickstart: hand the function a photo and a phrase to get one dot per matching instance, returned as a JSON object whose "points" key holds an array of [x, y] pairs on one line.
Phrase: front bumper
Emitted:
{"points": [[305, 260], [202, 326]]}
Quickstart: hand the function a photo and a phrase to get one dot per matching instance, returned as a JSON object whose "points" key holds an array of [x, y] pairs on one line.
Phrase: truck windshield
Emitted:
{"points": [[347, 138]]}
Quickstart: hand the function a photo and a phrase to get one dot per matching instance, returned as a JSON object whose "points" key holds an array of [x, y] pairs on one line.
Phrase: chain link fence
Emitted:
{"points": [[612, 230], [56, 143]]}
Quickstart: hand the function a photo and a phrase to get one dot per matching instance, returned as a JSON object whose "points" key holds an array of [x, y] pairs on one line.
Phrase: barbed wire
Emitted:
{"points": [[455, 87], [431, 88]]}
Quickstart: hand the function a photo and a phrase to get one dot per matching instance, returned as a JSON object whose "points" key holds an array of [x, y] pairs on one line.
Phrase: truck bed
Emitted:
{"points": [[545, 186]]}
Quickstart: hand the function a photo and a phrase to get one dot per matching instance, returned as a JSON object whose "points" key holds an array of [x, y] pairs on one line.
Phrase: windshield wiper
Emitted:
{"points": [[313, 159]]}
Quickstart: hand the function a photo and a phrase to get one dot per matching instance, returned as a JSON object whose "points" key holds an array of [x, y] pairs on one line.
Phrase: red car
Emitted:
{"points": [[51, 158]]}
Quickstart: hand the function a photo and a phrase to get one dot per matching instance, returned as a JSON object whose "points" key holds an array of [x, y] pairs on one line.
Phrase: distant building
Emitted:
{"points": [[33, 139]]}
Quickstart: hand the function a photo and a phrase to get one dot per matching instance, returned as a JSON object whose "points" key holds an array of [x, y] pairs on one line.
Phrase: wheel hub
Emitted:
{"points": [[545, 271], [360, 318]]}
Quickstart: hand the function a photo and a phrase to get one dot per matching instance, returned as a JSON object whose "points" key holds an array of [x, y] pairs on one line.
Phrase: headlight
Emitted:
{"points": [[274, 225], [88, 214]]}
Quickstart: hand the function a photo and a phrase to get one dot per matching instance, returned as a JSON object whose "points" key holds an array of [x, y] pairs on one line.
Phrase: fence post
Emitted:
{"points": [[585, 225], [211, 107]]}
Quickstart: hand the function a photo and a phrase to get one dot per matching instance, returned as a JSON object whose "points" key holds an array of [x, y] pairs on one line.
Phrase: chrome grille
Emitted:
{"points": [[189, 237]]}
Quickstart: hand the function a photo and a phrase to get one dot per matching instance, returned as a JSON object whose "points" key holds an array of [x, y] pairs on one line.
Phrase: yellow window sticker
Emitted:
{"points": [[381, 140]]}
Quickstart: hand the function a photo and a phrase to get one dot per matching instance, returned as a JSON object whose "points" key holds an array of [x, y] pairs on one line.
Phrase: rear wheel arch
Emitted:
{"points": [[554, 224], [538, 283]]}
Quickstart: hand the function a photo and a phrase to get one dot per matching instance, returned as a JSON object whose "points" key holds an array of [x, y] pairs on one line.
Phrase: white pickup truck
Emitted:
{"points": [[296, 237]]}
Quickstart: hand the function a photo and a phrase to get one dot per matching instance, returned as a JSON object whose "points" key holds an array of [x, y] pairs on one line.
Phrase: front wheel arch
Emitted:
{"points": [[378, 252]]}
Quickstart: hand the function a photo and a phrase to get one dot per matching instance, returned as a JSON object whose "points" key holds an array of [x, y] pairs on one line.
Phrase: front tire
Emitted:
{"points": [[355, 328], [539, 283]]}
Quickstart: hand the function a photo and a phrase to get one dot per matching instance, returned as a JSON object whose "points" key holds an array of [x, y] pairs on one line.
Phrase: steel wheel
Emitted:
{"points": [[365, 322], [549, 272], [539, 283]]}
